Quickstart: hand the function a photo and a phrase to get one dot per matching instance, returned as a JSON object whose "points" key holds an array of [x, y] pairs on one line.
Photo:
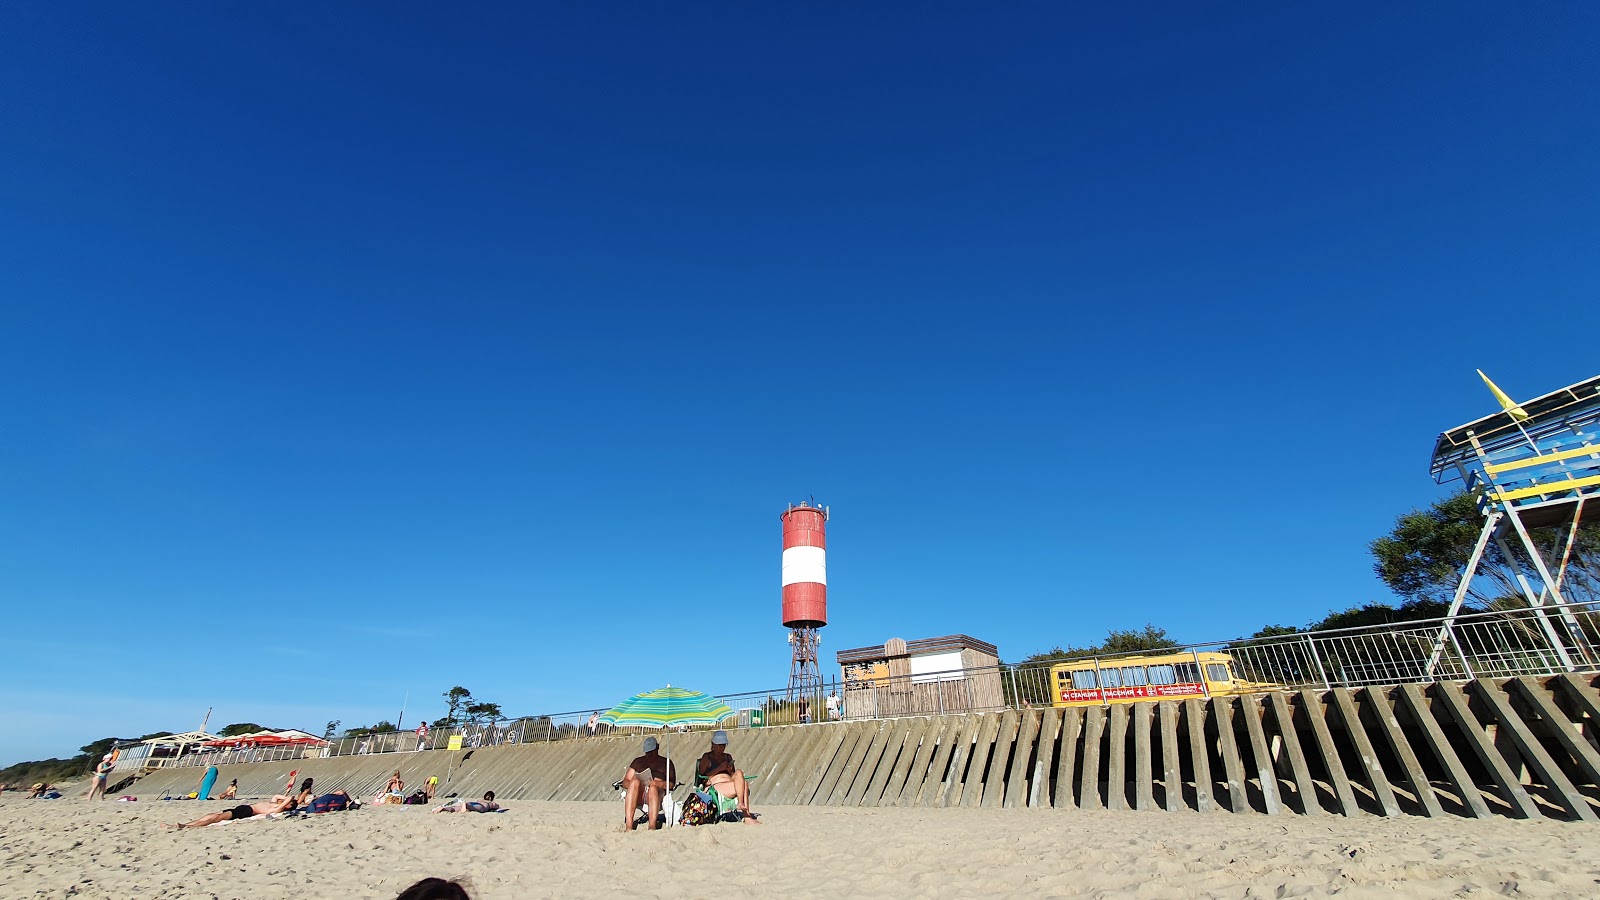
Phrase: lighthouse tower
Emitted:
{"points": [[805, 595]]}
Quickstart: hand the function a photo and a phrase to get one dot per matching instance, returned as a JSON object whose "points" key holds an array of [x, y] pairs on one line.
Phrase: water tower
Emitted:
{"points": [[805, 594]]}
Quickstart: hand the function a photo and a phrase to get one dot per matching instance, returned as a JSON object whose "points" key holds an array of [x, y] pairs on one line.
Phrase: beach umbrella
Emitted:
{"points": [[667, 707]]}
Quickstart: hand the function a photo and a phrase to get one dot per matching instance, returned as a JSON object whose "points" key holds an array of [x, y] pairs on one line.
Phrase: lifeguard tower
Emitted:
{"points": [[1532, 466]]}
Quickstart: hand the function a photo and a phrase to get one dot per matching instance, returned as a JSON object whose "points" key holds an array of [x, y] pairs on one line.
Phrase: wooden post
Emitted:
{"points": [[1171, 772], [1417, 709], [1250, 708], [1194, 712], [1066, 761], [1143, 788], [1089, 783], [1371, 767], [1232, 761], [1532, 751], [1389, 727], [1297, 757], [1455, 705], [1311, 705]]}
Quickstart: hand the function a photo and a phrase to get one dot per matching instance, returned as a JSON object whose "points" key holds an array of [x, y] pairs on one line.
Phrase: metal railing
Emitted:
{"points": [[1485, 644]]}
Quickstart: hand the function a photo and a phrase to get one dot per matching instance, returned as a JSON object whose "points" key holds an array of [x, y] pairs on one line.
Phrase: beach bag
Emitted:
{"points": [[418, 798], [696, 811]]}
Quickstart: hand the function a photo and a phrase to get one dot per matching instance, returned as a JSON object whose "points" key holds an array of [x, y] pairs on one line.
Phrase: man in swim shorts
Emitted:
{"points": [[265, 808], [485, 805], [647, 779]]}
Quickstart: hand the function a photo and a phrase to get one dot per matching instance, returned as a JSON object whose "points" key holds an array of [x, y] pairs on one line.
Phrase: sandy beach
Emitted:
{"points": [[72, 848]]}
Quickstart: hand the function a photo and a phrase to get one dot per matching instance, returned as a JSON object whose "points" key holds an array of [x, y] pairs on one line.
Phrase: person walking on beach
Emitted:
{"points": [[594, 722], [648, 778], [97, 791], [244, 811], [422, 736]]}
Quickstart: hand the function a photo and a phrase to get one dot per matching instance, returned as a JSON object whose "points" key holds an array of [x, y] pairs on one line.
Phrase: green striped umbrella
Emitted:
{"points": [[667, 707]]}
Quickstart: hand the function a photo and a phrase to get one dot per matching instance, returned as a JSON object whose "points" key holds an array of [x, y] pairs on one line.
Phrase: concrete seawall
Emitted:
{"points": [[1524, 748]]}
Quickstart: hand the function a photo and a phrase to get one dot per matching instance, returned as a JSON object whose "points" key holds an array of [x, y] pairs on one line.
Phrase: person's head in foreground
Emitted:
{"points": [[435, 889]]}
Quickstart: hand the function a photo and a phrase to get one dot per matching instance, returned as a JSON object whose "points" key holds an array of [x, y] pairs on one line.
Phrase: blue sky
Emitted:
{"points": [[351, 354]]}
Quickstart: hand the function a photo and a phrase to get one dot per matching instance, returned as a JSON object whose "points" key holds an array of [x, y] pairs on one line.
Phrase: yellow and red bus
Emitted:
{"points": [[1130, 679]]}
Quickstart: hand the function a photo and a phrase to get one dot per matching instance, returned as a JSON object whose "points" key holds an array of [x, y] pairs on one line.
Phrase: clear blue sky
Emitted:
{"points": [[352, 354]]}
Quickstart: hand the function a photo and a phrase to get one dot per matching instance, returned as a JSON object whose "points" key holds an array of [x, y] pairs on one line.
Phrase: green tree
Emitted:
{"points": [[239, 728], [456, 700], [1423, 557], [331, 730], [482, 712]]}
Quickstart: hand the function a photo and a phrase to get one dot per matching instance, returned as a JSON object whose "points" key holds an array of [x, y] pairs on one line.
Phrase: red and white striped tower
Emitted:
{"points": [[805, 595]]}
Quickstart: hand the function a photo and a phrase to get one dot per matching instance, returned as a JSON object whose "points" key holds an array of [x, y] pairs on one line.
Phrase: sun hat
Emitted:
{"points": [[719, 737], [650, 744]]}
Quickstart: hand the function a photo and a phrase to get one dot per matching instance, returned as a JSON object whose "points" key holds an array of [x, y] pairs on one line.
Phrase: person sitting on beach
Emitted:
{"points": [[338, 801], [462, 804], [232, 791], [717, 769], [36, 791], [277, 804], [396, 786], [647, 779]]}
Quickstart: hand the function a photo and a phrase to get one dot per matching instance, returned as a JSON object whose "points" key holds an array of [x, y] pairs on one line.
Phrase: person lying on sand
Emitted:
{"points": [[265, 808], [717, 768], [647, 780], [461, 804]]}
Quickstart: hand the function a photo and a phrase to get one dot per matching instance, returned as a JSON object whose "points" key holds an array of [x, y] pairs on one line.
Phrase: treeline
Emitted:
{"points": [[71, 769]]}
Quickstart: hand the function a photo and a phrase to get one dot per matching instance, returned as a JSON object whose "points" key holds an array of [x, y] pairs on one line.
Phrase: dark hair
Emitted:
{"points": [[488, 795], [305, 785], [435, 889], [233, 781]]}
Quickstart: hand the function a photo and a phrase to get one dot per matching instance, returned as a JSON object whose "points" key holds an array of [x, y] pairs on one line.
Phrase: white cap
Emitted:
{"points": [[650, 744]]}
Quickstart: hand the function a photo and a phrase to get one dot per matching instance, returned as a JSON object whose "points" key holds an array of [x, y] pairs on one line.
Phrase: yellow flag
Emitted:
{"points": [[1506, 403]]}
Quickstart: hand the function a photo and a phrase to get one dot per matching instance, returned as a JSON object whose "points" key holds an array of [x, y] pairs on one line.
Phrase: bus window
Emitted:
{"points": [[1133, 676], [1217, 672], [1188, 672], [1110, 678], [1083, 679], [1162, 674]]}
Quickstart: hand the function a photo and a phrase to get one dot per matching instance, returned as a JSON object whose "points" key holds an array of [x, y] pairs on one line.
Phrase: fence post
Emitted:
{"points": [[1016, 695], [1312, 646], [1200, 668]]}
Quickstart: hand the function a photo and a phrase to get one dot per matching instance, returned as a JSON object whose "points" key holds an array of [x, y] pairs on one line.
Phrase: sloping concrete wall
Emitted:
{"points": [[1523, 748]]}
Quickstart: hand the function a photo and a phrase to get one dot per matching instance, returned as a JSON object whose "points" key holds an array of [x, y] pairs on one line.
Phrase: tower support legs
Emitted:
{"points": [[805, 678]]}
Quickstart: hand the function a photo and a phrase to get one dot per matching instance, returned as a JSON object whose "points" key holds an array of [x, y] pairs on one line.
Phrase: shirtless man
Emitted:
{"points": [[720, 773], [647, 779], [265, 808]]}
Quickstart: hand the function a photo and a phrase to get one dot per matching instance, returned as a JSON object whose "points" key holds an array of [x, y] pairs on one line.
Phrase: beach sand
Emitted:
{"points": [[73, 848]]}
